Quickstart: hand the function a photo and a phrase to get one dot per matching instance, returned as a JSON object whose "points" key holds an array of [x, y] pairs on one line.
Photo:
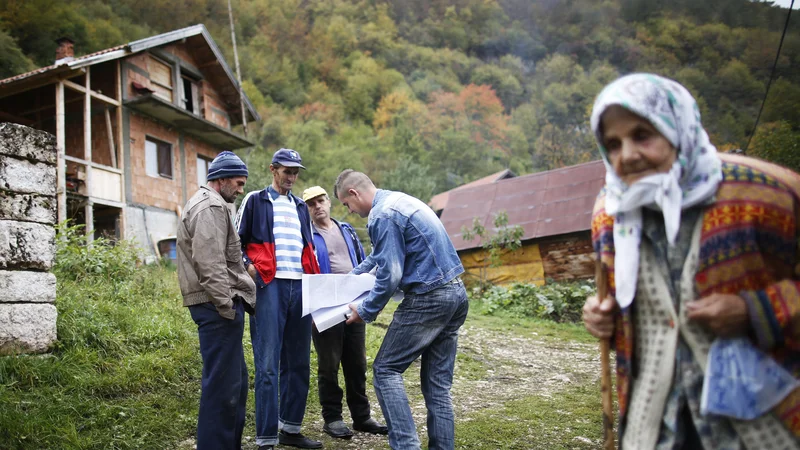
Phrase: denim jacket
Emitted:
{"points": [[411, 250]]}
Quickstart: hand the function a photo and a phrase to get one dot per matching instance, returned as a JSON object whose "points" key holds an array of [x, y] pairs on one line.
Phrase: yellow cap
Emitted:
{"points": [[313, 191]]}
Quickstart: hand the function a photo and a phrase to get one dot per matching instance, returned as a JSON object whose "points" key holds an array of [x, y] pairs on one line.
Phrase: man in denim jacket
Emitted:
{"points": [[411, 251]]}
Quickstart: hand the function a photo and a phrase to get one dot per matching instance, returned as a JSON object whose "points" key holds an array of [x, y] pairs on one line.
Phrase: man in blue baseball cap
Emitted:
{"points": [[277, 246], [217, 289]]}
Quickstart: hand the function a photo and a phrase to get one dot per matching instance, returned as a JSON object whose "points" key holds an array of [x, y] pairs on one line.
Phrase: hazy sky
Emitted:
{"points": [[786, 3]]}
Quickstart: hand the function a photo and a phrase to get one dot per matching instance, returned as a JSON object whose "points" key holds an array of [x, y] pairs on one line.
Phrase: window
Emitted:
{"points": [[189, 95], [161, 79], [202, 170], [158, 158]]}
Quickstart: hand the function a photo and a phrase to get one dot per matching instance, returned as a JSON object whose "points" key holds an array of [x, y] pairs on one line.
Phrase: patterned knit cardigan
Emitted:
{"points": [[748, 246]]}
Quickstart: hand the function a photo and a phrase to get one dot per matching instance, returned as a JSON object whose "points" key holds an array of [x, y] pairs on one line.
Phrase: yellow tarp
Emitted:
{"points": [[522, 265]]}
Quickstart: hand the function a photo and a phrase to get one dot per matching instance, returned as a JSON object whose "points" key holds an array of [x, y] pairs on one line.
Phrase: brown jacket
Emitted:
{"points": [[210, 267]]}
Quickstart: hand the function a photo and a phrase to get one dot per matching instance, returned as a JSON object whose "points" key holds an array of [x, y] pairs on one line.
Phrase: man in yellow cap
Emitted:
{"points": [[338, 251]]}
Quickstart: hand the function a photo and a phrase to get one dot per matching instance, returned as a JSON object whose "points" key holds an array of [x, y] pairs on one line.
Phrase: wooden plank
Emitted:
{"points": [[111, 148], [77, 87], [61, 164], [87, 154], [106, 185], [93, 164], [160, 73], [119, 82]]}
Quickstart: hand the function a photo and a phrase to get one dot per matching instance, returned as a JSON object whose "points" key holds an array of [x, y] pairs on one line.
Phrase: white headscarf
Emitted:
{"points": [[692, 180]]}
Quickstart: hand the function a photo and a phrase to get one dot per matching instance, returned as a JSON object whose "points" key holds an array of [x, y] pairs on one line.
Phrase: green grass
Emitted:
{"points": [[125, 374], [536, 422], [531, 328]]}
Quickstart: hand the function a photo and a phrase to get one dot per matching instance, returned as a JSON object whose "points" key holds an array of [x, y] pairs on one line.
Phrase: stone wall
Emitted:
{"points": [[27, 239]]}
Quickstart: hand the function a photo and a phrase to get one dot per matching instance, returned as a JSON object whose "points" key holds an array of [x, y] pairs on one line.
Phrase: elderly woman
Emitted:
{"points": [[697, 246]]}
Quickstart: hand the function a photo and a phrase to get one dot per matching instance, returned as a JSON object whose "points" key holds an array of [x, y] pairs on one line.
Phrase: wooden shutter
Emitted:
{"points": [[165, 160], [161, 77]]}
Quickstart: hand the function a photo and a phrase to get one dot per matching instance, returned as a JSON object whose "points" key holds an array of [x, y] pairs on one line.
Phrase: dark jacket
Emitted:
{"points": [[254, 224]]}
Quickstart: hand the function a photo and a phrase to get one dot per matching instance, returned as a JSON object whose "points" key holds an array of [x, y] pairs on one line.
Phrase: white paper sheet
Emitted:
{"points": [[327, 297], [325, 318], [330, 290]]}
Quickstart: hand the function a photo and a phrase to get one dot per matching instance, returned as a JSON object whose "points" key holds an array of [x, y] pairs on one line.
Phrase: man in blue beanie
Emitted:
{"points": [[217, 290]]}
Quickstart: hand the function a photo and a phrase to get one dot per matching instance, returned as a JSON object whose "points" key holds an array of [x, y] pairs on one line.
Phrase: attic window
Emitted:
{"points": [[189, 95]]}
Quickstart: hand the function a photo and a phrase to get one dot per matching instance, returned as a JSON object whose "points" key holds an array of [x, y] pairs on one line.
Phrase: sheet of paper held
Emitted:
{"points": [[325, 318], [328, 290], [327, 296]]}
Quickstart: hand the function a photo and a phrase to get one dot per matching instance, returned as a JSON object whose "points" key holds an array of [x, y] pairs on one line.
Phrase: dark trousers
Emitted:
{"points": [[342, 344], [224, 383]]}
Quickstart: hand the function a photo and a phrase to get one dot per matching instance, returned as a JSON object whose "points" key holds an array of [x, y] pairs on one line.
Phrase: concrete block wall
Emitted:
{"points": [[27, 239]]}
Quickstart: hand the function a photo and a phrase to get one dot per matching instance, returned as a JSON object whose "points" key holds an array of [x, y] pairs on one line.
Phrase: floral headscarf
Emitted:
{"points": [[692, 180]]}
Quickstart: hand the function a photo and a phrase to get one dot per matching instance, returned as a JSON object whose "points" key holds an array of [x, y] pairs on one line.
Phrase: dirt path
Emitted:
{"points": [[519, 367]]}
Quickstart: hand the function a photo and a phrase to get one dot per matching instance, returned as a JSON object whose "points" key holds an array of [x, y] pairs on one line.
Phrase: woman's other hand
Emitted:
{"points": [[724, 314], [598, 317]]}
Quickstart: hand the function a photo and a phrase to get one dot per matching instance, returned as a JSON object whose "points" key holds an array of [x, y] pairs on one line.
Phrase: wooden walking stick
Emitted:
{"points": [[601, 280]]}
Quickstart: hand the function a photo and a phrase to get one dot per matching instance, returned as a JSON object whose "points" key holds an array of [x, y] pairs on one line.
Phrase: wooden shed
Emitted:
{"points": [[554, 209]]}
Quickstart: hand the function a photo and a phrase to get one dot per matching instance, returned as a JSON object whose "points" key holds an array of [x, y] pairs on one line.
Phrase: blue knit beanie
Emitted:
{"points": [[226, 165]]}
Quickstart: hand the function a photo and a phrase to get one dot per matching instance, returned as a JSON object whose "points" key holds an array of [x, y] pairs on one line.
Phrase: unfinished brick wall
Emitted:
{"points": [[27, 239], [160, 192]]}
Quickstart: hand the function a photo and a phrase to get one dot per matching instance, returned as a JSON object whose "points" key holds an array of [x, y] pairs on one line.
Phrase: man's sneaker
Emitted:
{"points": [[371, 426], [337, 429], [266, 447], [297, 440]]}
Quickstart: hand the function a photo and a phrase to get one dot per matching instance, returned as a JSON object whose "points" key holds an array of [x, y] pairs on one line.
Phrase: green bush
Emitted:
{"points": [[559, 302], [77, 260]]}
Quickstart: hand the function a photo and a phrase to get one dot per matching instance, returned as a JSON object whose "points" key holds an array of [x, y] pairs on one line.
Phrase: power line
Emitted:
{"points": [[771, 74]]}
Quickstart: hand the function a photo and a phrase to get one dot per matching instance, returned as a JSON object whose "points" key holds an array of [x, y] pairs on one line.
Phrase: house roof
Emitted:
{"points": [[439, 201], [198, 33], [545, 204]]}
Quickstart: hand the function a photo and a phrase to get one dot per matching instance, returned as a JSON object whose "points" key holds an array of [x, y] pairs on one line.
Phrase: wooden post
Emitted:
{"points": [[87, 156], [110, 132], [238, 72], [61, 169], [121, 146], [601, 280]]}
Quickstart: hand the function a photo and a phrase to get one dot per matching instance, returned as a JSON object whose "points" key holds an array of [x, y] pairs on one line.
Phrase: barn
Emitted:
{"points": [[554, 209]]}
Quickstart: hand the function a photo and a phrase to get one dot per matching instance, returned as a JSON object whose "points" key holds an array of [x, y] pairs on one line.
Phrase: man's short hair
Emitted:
{"points": [[350, 179]]}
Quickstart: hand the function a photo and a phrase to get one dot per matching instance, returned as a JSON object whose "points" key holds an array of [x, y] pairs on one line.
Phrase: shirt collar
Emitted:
{"points": [[274, 194]]}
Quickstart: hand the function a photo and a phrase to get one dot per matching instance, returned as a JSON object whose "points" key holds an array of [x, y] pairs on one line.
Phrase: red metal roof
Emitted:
{"points": [[545, 204], [439, 201]]}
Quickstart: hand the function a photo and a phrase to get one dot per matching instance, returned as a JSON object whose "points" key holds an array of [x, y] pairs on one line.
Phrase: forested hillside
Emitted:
{"points": [[425, 95]]}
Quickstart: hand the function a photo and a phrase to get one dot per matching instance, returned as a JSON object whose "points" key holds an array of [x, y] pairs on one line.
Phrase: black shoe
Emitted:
{"points": [[371, 426], [297, 440], [338, 430], [266, 447]]}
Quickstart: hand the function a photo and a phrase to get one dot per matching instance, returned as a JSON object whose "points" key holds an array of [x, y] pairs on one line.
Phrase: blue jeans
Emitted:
{"points": [[224, 384], [424, 324], [281, 346]]}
